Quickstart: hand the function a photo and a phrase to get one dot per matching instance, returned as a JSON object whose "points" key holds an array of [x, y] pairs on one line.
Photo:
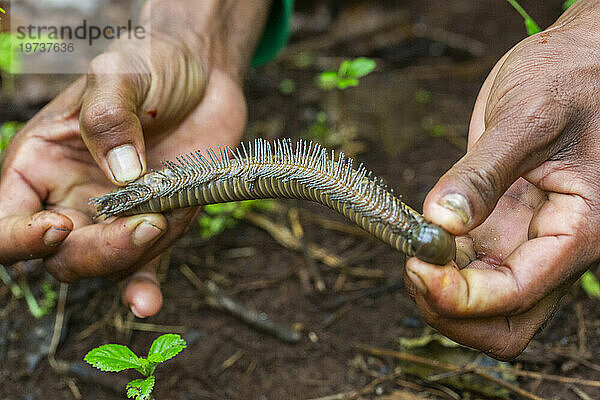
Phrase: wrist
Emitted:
{"points": [[220, 33]]}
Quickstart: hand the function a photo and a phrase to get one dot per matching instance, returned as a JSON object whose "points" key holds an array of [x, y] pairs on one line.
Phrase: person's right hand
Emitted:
{"points": [[525, 199], [108, 127]]}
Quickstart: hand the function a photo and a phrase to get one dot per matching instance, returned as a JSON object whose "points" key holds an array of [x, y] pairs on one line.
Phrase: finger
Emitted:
{"points": [[32, 236], [25, 231], [517, 138], [102, 249], [118, 248], [110, 126], [141, 291], [503, 338], [559, 252]]}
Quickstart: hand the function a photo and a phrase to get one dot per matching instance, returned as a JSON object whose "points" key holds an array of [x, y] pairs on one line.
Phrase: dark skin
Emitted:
{"points": [[183, 94], [523, 201]]}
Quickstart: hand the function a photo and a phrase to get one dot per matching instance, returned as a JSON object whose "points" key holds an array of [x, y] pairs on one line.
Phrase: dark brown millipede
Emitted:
{"points": [[281, 169]]}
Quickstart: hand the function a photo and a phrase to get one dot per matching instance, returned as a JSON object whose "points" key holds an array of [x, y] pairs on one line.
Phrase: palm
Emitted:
{"points": [[50, 155]]}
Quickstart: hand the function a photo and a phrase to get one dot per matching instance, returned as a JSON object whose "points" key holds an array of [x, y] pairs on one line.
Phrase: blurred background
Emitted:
{"points": [[326, 289]]}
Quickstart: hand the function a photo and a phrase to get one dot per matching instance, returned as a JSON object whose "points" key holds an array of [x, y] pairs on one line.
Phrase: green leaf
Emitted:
{"points": [[346, 83], [328, 80], [112, 358], [360, 67], [140, 388], [590, 285], [344, 69], [568, 4], [166, 347]]}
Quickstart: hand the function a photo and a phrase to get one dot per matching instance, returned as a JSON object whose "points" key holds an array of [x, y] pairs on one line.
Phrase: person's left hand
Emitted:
{"points": [[525, 199]]}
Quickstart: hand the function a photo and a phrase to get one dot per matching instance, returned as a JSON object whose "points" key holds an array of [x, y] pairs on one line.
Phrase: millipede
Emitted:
{"points": [[263, 169]]}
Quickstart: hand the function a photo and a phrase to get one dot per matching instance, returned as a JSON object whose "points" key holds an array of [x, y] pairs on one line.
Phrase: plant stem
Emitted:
{"points": [[519, 9], [14, 288], [34, 308]]}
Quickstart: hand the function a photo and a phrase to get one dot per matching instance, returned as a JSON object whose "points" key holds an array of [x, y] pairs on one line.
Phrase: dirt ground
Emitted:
{"points": [[411, 119]]}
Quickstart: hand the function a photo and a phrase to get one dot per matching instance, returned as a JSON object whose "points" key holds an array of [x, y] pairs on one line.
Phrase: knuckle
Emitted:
{"points": [[101, 120], [61, 271], [484, 182]]}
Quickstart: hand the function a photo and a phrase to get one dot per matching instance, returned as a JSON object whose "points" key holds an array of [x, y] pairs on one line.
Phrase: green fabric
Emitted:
{"points": [[277, 32]]}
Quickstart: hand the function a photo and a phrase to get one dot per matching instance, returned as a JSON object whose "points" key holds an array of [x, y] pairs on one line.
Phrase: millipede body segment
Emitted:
{"points": [[282, 169]]}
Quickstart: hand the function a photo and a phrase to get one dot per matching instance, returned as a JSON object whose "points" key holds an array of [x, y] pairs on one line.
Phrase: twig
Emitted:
{"points": [[262, 283], [58, 365], [372, 293], [582, 347], [146, 327], [580, 393], [333, 225], [311, 266], [448, 367], [231, 361], [74, 389], [330, 319], [364, 390], [257, 320], [511, 370], [284, 237], [578, 359]]}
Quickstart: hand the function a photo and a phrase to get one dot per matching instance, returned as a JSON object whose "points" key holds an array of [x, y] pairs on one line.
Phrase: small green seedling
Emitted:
{"points": [[530, 25], [590, 285], [568, 4], [46, 305], [116, 358], [348, 74], [22, 290]]}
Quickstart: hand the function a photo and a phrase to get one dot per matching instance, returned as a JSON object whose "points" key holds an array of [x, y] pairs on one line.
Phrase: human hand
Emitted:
{"points": [[525, 199], [150, 104]]}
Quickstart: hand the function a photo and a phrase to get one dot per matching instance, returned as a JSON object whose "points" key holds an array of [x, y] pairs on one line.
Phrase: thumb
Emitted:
{"points": [[110, 126], [516, 140]]}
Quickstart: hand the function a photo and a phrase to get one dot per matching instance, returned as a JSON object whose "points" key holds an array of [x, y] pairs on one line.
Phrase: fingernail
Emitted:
{"points": [[124, 163], [135, 312], [458, 205], [416, 279], [54, 236], [145, 233]]}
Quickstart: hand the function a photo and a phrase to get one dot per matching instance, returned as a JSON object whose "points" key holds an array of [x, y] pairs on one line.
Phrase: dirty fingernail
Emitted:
{"points": [[458, 205], [418, 282], [124, 163], [54, 236], [145, 233]]}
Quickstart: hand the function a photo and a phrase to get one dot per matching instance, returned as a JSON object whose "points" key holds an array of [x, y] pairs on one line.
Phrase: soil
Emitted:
{"points": [[410, 141]]}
